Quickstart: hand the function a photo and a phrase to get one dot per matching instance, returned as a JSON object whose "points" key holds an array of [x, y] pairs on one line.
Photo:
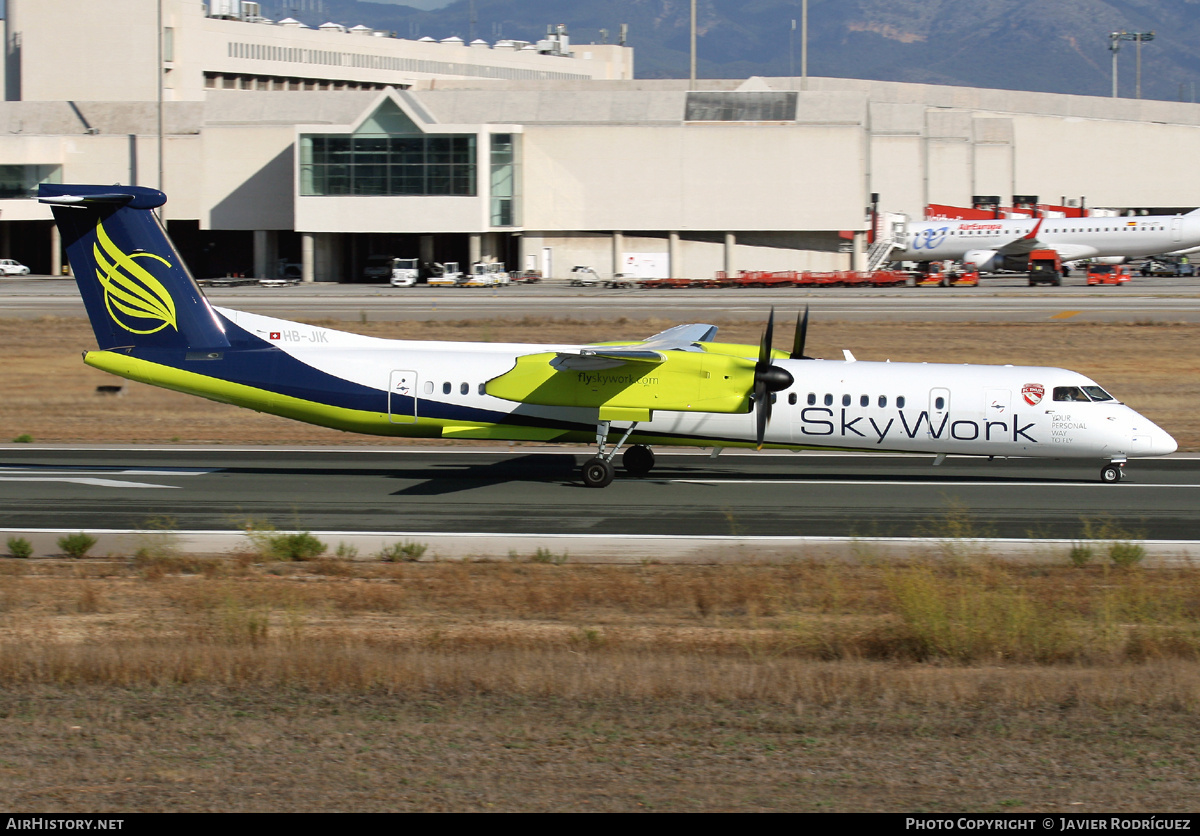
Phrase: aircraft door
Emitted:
{"points": [[996, 404], [1177, 228], [402, 397]]}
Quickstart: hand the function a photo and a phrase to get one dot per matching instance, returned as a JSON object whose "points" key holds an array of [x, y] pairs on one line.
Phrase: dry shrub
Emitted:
{"points": [[704, 632]]}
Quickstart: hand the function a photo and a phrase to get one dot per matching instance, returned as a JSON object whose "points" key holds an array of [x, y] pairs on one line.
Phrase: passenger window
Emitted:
{"points": [[1069, 394], [939, 403], [865, 400], [429, 387], [845, 400], [900, 402], [812, 398], [446, 388], [828, 400], [792, 398], [483, 388], [464, 389]]}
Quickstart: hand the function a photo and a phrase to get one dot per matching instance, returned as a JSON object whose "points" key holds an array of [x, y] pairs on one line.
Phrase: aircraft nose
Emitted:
{"points": [[1161, 443]]}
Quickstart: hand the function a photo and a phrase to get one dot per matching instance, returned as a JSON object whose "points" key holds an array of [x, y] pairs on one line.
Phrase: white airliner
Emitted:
{"points": [[680, 387], [986, 244]]}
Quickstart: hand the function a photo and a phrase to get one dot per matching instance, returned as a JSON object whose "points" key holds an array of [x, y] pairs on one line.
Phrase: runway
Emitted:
{"points": [[998, 299], [536, 490]]}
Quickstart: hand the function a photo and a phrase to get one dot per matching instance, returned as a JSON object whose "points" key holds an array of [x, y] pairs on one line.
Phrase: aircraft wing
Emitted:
{"points": [[649, 350], [1026, 244], [1073, 252]]}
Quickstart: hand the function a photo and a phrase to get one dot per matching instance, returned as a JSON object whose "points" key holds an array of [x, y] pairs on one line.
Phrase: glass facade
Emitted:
{"points": [[420, 164], [23, 180], [503, 179]]}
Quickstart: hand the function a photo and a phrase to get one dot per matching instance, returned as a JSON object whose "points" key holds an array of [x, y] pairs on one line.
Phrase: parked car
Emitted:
{"points": [[13, 268]]}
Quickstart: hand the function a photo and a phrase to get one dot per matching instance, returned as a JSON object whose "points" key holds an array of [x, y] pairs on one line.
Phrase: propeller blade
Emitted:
{"points": [[764, 349], [762, 408], [801, 336]]}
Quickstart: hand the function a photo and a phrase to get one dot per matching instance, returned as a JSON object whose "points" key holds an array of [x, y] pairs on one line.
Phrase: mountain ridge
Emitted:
{"points": [[1059, 47]]}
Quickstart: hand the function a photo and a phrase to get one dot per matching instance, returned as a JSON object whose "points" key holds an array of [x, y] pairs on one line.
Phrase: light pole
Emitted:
{"points": [[1140, 38], [692, 83], [1114, 44]]}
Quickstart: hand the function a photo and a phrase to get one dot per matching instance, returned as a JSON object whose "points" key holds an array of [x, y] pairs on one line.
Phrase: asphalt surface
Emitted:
{"points": [[1002, 298], [538, 490]]}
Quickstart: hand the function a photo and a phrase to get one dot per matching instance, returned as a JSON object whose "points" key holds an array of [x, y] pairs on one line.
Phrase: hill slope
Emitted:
{"points": [[1059, 47]]}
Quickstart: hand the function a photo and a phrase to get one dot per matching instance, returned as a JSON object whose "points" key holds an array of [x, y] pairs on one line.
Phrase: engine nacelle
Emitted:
{"points": [[985, 261], [1110, 259]]}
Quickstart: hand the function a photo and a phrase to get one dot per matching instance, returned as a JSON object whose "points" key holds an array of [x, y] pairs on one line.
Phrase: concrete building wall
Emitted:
{"points": [[695, 259], [692, 177], [1114, 163], [247, 177], [106, 50]]}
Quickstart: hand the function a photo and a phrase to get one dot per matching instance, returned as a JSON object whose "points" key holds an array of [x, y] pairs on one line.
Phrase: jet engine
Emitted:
{"points": [[985, 261]]}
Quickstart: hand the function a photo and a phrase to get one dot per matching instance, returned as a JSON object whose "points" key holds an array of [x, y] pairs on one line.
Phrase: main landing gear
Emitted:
{"points": [[1114, 471], [598, 472]]}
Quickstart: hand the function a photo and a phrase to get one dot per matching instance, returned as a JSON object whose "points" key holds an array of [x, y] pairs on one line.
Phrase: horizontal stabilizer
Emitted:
{"points": [[134, 197]]}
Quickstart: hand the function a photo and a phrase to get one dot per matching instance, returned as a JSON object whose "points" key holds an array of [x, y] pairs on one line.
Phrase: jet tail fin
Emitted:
{"points": [[134, 284]]}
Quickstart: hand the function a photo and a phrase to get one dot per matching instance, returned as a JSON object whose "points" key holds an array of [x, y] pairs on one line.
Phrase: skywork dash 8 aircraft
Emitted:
{"points": [[988, 244], [153, 324]]}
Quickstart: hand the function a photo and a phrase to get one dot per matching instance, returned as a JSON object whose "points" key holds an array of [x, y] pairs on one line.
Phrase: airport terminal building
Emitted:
{"points": [[285, 146]]}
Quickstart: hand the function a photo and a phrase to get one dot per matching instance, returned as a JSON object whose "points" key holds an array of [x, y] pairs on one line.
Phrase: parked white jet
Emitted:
{"points": [[985, 244], [679, 387]]}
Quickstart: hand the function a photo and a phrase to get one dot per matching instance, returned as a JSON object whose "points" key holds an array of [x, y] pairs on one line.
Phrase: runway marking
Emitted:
{"points": [[84, 480], [992, 484], [1066, 314], [83, 476]]}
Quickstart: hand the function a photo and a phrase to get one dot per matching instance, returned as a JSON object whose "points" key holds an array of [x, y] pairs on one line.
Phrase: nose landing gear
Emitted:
{"points": [[1114, 471]]}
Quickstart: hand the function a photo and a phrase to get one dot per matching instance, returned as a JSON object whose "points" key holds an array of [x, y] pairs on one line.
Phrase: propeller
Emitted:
{"points": [[768, 378], [801, 335]]}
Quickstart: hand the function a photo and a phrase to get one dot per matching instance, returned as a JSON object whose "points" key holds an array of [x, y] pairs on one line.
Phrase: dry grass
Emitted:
{"points": [[50, 394], [169, 683], [691, 632]]}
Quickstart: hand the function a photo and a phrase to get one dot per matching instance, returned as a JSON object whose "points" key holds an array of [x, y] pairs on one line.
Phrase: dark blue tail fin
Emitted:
{"points": [[134, 285]]}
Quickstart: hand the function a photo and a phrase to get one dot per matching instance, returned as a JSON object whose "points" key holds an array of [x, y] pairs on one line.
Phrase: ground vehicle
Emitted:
{"points": [[1107, 274], [487, 274], [405, 272], [446, 275], [13, 268], [379, 268], [1167, 265], [1045, 267], [582, 276]]}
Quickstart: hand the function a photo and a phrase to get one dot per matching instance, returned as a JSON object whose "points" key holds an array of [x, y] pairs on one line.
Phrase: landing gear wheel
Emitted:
{"points": [[597, 473], [1110, 473], [638, 460]]}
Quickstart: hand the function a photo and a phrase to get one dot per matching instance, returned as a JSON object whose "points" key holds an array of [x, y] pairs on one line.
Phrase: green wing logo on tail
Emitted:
{"points": [[136, 300]]}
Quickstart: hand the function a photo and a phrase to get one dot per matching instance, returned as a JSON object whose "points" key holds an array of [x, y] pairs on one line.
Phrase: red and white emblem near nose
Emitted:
{"points": [[1033, 393]]}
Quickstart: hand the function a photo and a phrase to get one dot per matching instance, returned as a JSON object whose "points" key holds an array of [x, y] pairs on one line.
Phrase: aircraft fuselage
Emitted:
{"points": [[1073, 238]]}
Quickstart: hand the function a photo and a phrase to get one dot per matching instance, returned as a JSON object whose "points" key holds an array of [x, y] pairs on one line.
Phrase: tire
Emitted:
{"points": [[1110, 473], [597, 473], [638, 460]]}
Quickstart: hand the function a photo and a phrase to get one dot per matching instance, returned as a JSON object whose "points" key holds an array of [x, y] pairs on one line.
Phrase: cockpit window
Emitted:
{"points": [[1098, 394], [1070, 393]]}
